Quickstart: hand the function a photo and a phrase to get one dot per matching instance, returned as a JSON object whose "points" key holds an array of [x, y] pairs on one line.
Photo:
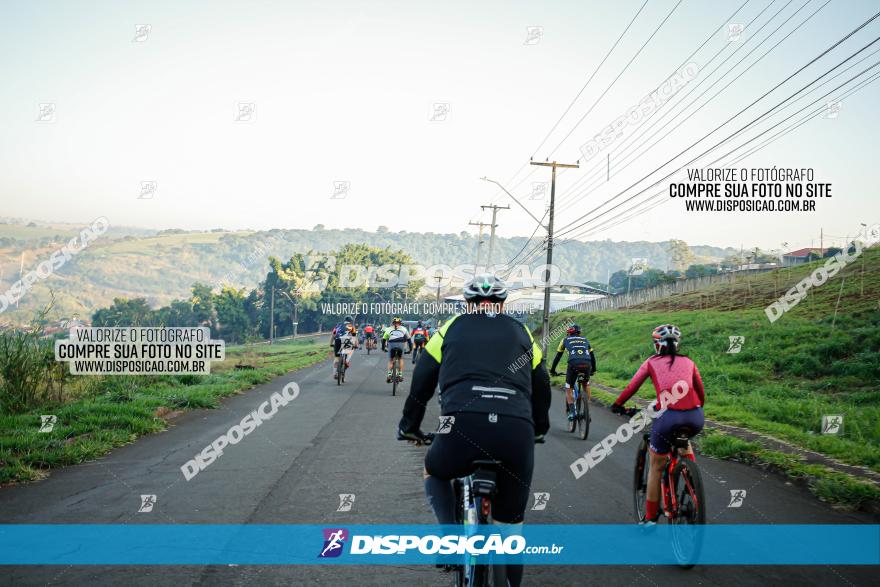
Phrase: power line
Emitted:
{"points": [[591, 175], [656, 30], [600, 227], [569, 227], [727, 139], [595, 71], [624, 147], [692, 114]]}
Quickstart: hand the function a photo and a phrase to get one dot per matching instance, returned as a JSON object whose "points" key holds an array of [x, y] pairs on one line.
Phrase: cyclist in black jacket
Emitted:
{"points": [[581, 359], [493, 381]]}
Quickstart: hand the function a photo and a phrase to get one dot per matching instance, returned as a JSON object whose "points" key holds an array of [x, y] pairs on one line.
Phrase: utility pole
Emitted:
{"points": [[479, 241], [439, 278], [272, 316], [821, 241], [492, 226], [545, 322]]}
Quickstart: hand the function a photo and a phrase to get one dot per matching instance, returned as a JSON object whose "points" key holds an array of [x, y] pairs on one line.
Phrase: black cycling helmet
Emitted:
{"points": [[348, 319], [485, 287], [573, 329], [419, 325]]}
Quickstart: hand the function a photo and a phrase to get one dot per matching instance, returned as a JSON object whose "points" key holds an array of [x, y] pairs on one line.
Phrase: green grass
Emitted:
{"points": [[829, 486], [790, 373], [115, 410]]}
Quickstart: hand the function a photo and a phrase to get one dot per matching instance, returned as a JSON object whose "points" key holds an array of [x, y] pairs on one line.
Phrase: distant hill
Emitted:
{"points": [[162, 265]]}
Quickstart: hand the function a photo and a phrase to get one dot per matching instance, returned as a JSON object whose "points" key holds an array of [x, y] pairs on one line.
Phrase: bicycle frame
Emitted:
{"points": [[474, 507]]}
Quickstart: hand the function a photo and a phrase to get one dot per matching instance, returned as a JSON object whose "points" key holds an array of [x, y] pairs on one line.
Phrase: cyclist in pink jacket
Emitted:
{"points": [[674, 376]]}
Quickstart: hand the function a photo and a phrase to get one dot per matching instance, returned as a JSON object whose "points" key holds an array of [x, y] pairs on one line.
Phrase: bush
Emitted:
{"points": [[25, 367]]}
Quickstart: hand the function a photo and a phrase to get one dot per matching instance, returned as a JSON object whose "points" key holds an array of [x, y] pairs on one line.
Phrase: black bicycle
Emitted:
{"points": [[340, 369], [581, 421]]}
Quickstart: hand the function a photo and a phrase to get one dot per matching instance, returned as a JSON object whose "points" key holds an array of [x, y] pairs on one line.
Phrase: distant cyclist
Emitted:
{"points": [[581, 359], [335, 340], [369, 334], [420, 337], [667, 369], [348, 342], [499, 411], [394, 339]]}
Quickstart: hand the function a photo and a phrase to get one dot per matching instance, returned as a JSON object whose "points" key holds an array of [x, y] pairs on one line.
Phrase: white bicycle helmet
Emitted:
{"points": [[665, 335], [485, 287]]}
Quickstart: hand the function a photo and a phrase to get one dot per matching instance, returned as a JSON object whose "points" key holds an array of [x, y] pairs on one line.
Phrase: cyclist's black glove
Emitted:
{"points": [[418, 437], [617, 409], [554, 373]]}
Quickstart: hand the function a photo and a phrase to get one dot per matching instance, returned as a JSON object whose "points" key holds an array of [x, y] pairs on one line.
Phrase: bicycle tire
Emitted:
{"points": [[394, 381], [640, 480], [340, 369], [687, 485], [583, 417], [571, 425]]}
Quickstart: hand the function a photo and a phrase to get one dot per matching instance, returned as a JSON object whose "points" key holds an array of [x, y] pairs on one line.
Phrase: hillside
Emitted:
{"points": [[162, 267], [821, 358]]}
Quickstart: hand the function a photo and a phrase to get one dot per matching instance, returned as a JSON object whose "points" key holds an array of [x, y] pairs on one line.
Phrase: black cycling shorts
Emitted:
{"points": [[510, 440], [395, 351], [571, 372], [337, 344]]}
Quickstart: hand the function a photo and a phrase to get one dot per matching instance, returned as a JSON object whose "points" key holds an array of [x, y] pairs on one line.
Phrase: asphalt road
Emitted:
{"points": [[335, 440]]}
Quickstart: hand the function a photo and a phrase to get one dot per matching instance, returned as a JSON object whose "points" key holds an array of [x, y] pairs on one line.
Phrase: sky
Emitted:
{"points": [[389, 113]]}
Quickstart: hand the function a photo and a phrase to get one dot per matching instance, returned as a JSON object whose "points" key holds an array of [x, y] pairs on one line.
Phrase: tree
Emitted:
{"points": [[203, 309], [680, 255], [318, 227], [701, 270], [382, 229], [232, 315], [125, 312]]}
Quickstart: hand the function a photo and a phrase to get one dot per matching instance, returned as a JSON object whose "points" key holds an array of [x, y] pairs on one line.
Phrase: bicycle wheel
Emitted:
{"points": [[340, 369], [394, 380], [571, 425], [690, 512], [583, 415], [640, 480]]}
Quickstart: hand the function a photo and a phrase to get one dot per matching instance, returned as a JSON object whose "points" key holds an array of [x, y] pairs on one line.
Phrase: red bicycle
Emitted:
{"points": [[682, 495]]}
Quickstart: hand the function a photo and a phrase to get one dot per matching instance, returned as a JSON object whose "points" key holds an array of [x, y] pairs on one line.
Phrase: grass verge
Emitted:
{"points": [[118, 409]]}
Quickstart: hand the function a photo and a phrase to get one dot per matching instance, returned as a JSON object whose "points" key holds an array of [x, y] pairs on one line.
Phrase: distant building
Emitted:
{"points": [[801, 255]]}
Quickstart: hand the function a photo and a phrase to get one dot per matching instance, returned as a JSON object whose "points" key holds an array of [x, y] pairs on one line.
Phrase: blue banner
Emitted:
{"points": [[185, 544]]}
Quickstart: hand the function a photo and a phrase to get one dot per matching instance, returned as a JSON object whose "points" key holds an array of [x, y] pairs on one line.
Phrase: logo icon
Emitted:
{"points": [[539, 190], [639, 265], [832, 109], [340, 190], [346, 500], [148, 190], [439, 112], [832, 424], [734, 32], [46, 112], [245, 112], [445, 426], [334, 541], [147, 503], [737, 497], [141, 32], [47, 423], [493, 418], [534, 34], [736, 344], [541, 500]]}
